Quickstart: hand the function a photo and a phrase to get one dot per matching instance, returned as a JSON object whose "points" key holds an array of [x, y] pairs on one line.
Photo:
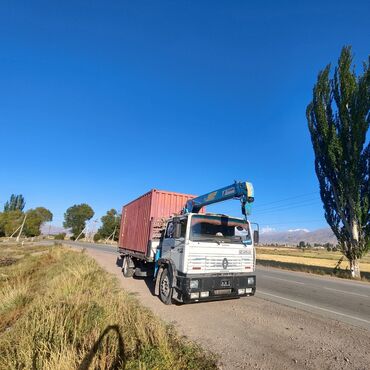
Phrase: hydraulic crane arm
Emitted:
{"points": [[239, 190]]}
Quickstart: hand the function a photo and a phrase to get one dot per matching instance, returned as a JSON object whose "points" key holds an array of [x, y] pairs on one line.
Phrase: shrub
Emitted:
{"points": [[60, 236]]}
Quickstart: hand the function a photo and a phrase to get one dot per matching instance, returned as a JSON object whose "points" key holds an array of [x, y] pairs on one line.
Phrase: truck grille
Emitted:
{"points": [[216, 263]]}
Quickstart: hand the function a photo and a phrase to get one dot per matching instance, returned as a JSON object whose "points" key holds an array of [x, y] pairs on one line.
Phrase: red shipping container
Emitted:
{"points": [[139, 216]]}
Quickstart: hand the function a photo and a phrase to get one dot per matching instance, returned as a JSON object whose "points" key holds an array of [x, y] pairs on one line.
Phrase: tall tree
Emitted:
{"points": [[35, 218], [110, 225], [76, 216], [15, 203], [338, 119]]}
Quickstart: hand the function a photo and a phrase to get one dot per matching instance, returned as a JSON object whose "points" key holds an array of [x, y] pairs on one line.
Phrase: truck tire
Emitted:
{"points": [[165, 289], [126, 269]]}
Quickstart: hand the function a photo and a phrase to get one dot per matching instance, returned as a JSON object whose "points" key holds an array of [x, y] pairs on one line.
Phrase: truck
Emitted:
{"points": [[191, 255]]}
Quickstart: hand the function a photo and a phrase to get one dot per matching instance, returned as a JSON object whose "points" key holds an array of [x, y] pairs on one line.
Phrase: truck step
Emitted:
{"points": [[141, 272]]}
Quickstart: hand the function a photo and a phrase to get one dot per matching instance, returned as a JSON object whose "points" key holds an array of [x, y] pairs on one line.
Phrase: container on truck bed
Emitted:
{"points": [[144, 218], [192, 256]]}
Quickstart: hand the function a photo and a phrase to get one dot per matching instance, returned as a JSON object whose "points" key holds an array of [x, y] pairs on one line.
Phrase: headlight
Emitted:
{"points": [[194, 284], [194, 295], [251, 281], [241, 291], [204, 294]]}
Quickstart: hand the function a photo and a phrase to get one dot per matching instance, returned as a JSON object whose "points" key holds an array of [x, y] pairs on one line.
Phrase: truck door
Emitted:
{"points": [[177, 251], [174, 248], [168, 241]]}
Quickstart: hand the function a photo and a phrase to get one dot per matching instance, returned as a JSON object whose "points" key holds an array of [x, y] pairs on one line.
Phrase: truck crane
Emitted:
{"points": [[239, 190], [195, 256]]}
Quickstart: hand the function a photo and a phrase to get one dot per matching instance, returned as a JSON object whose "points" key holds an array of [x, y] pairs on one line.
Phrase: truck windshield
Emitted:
{"points": [[219, 229]]}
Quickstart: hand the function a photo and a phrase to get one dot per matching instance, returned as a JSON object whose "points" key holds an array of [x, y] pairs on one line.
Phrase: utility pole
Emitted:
{"points": [[20, 231], [111, 235], [80, 233]]}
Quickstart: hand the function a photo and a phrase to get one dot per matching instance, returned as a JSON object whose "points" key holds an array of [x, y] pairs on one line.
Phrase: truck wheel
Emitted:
{"points": [[126, 269], [165, 289]]}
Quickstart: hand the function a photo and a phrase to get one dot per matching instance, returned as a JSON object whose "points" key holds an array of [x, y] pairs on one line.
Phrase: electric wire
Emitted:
{"points": [[280, 209], [290, 198], [286, 204]]}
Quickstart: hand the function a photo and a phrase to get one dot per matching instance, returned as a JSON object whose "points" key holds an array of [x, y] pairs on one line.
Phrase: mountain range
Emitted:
{"points": [[47, 229], [292, 237]]}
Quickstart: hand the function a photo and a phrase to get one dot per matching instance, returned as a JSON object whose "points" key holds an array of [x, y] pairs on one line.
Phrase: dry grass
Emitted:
{"points": [[316, 261], [60, 310]]}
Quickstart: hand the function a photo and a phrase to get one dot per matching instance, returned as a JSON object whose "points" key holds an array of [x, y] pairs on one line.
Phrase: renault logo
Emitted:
{"points": [[225, 263]]}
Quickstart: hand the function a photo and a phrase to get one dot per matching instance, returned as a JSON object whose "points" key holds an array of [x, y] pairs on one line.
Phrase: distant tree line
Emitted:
{"points": [[328, 246], [75, 219], [76, 216], [13, 216]]}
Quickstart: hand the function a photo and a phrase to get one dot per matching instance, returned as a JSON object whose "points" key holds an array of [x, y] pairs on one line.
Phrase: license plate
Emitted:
{"points": [[222, 291], [225, 283]]}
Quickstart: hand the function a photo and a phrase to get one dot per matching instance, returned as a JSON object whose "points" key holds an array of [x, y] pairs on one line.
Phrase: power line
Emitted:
{"points": [[290, 198], [287, 204], [264, 212]]}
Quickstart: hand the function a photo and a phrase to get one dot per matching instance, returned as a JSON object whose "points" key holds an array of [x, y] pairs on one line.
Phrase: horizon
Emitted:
{"points": [[103, 102]]}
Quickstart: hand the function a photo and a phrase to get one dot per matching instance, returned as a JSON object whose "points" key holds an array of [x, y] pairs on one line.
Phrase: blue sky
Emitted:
{"points": [[101, 101]]}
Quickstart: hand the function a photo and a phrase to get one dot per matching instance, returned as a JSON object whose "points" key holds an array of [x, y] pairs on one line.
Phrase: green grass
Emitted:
{"points": [[60, 310]]}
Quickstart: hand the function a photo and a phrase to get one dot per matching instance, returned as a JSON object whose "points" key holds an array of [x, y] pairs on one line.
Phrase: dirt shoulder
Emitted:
{"points": [[256, 333]]}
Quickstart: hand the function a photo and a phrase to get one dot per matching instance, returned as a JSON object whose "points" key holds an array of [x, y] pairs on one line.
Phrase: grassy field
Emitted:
{"points": [[317, 261], [60, 310]]}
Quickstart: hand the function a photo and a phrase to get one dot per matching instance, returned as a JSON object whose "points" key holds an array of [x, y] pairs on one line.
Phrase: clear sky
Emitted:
{"points": [[101, 101]]}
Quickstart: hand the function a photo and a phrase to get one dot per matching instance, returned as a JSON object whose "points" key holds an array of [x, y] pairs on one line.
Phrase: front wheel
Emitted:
{"points": [[165, 289], [126, 269]]}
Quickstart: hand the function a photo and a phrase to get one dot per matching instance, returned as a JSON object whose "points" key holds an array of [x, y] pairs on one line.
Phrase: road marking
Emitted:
{"points": [[290, 281], [343, 291], [306, 275], [316, 307], [298, 282]]}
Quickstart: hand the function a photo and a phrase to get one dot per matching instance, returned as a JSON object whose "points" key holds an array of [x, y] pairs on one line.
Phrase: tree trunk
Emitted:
{"points": [[355, 268]]}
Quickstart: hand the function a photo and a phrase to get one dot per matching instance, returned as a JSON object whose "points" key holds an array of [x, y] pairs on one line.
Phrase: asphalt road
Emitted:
{"points": [[343, 300], [339, 299]]}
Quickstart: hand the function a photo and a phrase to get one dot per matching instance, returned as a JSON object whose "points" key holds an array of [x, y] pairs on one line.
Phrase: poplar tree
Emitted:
{"points": [[15, 203], [338, 120]]}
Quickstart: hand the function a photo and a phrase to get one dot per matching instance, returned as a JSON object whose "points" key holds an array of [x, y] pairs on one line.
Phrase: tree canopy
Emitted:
{"points": [[11, 220], [76, 216], [35, 218], [110, 225], [338, 120], [16, 202]]}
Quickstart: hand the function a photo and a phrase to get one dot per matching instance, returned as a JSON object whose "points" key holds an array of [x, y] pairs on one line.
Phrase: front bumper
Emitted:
{"points": [[218, 287]]}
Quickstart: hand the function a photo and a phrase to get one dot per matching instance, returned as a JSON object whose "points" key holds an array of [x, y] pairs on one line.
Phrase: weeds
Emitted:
{"points": [[60, 310]]}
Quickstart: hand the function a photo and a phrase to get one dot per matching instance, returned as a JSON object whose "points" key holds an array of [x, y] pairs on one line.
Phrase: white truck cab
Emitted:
{"points": [[205, 256]]}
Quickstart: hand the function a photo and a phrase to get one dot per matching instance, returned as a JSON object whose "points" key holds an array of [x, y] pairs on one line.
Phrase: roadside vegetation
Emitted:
{"points": [[14, 221], [60, 310], [320, 261]]}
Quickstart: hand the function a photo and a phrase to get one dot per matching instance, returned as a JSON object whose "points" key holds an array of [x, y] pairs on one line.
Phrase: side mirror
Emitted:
{"points": [[256, 237], [177, 230]]}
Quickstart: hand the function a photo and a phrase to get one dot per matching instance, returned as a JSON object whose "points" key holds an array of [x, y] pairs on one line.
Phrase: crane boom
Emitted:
{"points": [[239, 190]]}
